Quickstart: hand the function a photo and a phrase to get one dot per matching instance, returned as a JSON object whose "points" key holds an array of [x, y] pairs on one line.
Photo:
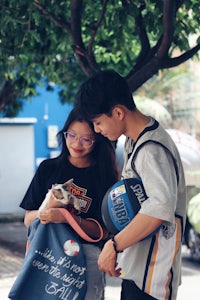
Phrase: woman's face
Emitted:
{"points": [[79, 139]]}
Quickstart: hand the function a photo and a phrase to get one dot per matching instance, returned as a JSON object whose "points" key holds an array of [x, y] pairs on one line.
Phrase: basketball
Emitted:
{"points": [[121, 204]]}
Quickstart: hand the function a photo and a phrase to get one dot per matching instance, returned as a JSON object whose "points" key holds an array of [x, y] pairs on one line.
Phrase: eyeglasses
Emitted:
{"points": [[85, 141]]}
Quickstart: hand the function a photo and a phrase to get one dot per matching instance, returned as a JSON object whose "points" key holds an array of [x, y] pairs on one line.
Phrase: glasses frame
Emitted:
{"points": [[81, 139]]}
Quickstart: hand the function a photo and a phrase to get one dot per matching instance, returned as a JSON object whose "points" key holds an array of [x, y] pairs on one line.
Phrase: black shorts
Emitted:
{"points": [[130, 291]]}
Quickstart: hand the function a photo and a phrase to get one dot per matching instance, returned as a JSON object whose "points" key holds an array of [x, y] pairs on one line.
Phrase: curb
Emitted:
{"points": [[11, 218]]}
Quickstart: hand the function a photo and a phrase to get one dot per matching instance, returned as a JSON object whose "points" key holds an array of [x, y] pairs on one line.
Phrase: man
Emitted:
{"points": [[150, 267]]}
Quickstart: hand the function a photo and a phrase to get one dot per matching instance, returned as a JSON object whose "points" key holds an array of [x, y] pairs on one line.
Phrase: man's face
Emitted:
{"points": [[108, 126]]}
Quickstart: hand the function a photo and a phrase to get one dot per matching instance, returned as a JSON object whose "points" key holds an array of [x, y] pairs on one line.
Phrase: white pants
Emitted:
{"points": [[95, 277]]}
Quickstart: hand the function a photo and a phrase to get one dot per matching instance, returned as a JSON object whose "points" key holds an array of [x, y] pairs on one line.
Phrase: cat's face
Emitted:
{"points": [[63, 196], [61, 191]]}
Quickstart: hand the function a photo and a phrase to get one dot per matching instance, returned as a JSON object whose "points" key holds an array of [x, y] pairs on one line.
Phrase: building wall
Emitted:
{"points": [[50, 114], [24, 142], [16, 164]]}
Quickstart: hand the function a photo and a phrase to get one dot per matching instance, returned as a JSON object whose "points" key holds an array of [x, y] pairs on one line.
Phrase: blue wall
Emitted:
{"points": [[48, 110]]}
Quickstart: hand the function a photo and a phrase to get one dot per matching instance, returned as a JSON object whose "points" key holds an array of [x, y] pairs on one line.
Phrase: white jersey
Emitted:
{"points": [[154, 264]]}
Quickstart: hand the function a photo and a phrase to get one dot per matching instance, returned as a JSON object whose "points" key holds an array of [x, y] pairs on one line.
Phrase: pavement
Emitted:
{"points": [[12, 249]]}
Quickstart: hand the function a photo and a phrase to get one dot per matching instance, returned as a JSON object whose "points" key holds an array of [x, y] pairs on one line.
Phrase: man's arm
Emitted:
{"points": [[140, 227]]}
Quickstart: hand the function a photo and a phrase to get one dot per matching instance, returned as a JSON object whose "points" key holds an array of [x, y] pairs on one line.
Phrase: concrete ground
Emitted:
{"points": [[12, 248]]}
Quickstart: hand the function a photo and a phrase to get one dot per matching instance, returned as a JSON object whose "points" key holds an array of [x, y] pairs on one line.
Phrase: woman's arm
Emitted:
{"points": [[30, 215], [53, 215]]}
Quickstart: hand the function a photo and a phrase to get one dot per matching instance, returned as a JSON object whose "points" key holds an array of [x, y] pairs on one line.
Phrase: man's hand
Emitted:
{"points": [[108, 260]]}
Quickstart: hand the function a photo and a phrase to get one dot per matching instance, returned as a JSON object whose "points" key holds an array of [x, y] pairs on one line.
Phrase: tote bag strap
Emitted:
{"points": [[78, 229]]}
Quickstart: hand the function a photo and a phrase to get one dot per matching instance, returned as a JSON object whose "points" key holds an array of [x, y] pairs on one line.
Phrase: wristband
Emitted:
{"points": [[115, 246]]}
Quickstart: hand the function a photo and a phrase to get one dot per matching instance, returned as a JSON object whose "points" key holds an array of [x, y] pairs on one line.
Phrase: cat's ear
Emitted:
{"points": [[68, 183]]}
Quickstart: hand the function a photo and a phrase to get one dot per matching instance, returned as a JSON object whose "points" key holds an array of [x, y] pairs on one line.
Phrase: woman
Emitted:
{"points": [[88, 158]]}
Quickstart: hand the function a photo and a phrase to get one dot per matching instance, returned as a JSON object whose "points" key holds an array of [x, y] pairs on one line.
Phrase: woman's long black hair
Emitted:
{"points": [[103, 152]]}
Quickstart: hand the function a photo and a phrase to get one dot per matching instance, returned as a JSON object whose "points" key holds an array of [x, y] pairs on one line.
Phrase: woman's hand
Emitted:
{"points": [[51, 215]]}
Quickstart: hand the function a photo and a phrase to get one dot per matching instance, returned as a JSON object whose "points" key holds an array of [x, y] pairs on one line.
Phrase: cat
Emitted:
{"points": [[61, 197]]}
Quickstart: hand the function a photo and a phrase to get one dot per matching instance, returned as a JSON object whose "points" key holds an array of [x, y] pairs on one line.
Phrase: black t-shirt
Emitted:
{"points": [[58, 170]]}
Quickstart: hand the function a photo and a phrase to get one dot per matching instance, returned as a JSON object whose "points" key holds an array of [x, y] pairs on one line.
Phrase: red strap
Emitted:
{"points": [[78, 229]]}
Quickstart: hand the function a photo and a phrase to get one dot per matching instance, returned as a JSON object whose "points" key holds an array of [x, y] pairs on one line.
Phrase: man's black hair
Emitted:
{"points": [[100, 93]]}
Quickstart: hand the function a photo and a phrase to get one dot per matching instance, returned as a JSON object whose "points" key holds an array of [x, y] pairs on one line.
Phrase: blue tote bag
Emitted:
{"points": [[54, 265]]}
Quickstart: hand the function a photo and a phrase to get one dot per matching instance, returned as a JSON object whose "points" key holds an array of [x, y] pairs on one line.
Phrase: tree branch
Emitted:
{"points": [[176, 61], [85, 58], [136, 79], [141, 29], [145, 45], [168, 26], [45, 13], [98, 23], [76, 10], [6, 93]]}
